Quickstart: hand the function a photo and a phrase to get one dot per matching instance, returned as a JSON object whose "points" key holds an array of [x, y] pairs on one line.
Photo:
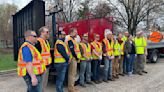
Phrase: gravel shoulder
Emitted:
{"points": [[151, 82]]}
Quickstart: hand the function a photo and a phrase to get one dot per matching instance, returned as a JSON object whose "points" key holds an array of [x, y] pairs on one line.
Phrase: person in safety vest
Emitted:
{"points": [[140, 44], [121, 44], [43, 47], [117, 55], [73, 47], [107, 45], [130, 53], [85, 63], [31, 65], [125, 37], [96, 47], [61, 60]]}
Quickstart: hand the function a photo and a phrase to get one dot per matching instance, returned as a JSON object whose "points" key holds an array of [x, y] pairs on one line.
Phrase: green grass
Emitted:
{"points": [[7, 61]]}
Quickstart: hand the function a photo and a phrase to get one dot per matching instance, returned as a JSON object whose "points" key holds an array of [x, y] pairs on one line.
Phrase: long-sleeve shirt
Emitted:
{"points": [[129, 47], [62, 50], [38, 46], [71, 47]]}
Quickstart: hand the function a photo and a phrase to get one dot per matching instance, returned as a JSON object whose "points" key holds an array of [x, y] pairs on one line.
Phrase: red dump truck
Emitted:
{"points": [[90, 26]]}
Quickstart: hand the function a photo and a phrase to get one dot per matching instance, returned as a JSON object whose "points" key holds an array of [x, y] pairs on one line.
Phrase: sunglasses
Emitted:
{"points": [[33, 36], [46, 32]]}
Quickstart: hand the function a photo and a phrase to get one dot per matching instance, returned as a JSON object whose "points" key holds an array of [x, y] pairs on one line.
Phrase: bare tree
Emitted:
{"points": [[132, 12], [6, 10], [83, 11], [70, 7], [101, 10]]}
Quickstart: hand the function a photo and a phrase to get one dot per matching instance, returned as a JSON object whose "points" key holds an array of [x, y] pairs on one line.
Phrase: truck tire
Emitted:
{"points": [[154, 56]]}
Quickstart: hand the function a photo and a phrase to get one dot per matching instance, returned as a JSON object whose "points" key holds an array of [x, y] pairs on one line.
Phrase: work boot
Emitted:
{"points": [[117, 76], [111, 79], [106, 81], [100, 81], [144, 71], [90, 82], [121, 74], [140, 73], [83, 85], [96, 82]]}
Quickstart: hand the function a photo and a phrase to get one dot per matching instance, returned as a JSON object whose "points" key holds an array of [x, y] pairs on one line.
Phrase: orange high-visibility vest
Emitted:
{"points": [[98, 48], [76, 47], [109, 46], [86, 50], [45, 53], [58, 57], [37, 62]]}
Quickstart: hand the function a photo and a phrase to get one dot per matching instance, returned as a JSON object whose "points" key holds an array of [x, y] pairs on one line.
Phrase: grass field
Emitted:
{"points": [[7, 61]]}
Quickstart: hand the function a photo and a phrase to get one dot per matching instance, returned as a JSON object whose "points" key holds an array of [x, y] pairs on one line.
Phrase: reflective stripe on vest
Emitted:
{"points": [[140, 44], [37, 62], [45, 53], [117, 49], [97, 48], [109, 46], [121, 48], [86, 50], [76, 47], [58, 57]]}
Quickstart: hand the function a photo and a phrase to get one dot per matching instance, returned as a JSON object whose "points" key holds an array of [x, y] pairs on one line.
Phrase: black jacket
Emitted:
{"points": [[129, 48]]}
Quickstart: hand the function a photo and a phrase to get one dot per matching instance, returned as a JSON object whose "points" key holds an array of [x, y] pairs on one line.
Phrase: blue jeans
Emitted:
{"points": [[107, 68], [61, 69], [96, 69], [85, 68], [130, 63], [125, 64], [31, 88]]}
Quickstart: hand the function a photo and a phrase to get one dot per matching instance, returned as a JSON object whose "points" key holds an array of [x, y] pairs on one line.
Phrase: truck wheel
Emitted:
{"points": [[154, 56]]}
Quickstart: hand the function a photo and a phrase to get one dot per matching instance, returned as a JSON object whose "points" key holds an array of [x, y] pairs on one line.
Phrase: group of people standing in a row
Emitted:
{"points": [[116, 53]]}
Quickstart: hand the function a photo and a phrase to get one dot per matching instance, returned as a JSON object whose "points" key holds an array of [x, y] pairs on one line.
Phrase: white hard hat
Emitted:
{"points": [[78, 39], [107, 31]]}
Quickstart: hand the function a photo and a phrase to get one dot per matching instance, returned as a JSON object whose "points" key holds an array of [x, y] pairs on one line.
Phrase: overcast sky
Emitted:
{"points": [[22, 3], [19, 3]]}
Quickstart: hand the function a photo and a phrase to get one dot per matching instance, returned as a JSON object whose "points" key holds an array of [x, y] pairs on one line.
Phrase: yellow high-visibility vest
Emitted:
{"points": [[117, 49], [86, 50], [58, 58], [124, 38], [76, 47], [98, 48], [140, 44], [109, 46], [122, 48], [45, 53], [37, 61]]}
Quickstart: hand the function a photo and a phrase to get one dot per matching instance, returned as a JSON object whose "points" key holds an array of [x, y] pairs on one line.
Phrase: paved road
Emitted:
{"points": [[151, 82]]}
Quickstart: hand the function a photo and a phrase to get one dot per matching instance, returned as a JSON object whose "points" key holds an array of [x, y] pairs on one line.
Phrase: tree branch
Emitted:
{"points": [[118, 12]]}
